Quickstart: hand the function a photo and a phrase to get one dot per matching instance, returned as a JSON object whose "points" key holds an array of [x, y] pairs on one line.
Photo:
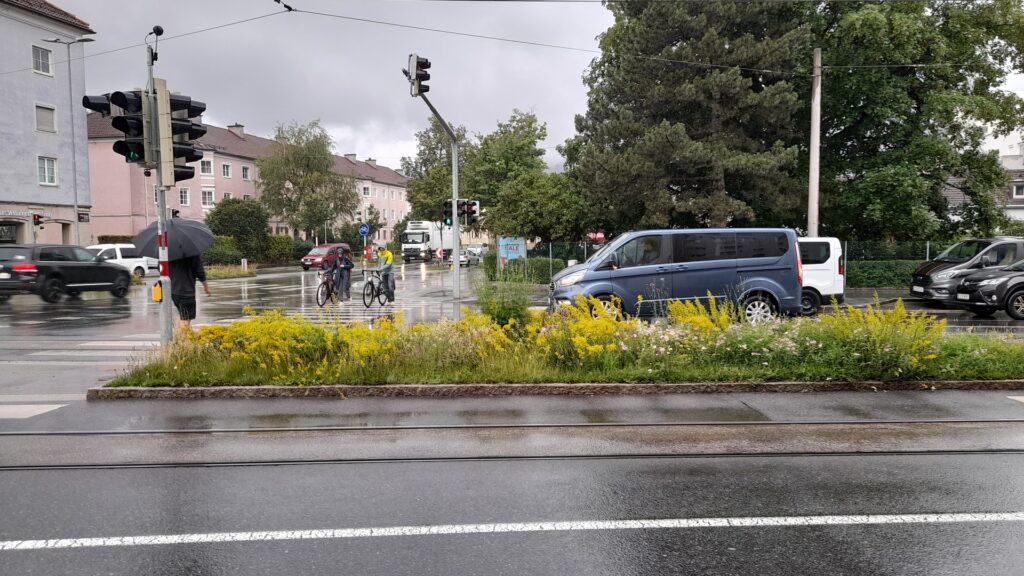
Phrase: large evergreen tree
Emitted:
{"points": [[692, 116]]}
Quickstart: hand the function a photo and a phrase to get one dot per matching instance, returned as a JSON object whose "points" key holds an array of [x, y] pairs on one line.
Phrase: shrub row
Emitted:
{"points": [[530, 270], [880, 274]]}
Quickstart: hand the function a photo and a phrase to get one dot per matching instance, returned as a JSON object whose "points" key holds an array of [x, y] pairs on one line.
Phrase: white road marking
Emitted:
{"points": [[120, 343], [61, 362], [457, 529], [1017, 398], [124, 353], [21, 411], [41, 397]]}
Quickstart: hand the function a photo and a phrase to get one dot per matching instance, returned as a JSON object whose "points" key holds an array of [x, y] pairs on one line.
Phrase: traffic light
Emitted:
{"points": [[418, 75], [130, 111], [447, 214], [177, 131], [472, 212], [462, 209], [37, 219], [359, 215]]}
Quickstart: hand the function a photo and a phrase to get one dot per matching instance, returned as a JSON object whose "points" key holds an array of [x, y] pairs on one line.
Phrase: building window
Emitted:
{"points": [[45, 121], [207, 197], [225, 170], [245, 172], [392, 214], [183, 196], [246, 197], [366, 191], [47, 171], [227, 195], [1018, 190], [41, 58], [206, 167]]}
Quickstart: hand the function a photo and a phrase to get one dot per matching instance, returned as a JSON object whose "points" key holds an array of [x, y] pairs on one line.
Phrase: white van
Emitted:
{"points": [[824, 273], [125, 255]]}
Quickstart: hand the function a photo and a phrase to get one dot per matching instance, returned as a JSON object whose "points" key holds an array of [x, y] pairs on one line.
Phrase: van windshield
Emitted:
{"points": [[963, 251], [319, 250], [601, 253]]}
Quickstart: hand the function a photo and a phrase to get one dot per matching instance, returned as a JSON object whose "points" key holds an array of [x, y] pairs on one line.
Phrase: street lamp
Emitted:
{"points": [[71, 115]]}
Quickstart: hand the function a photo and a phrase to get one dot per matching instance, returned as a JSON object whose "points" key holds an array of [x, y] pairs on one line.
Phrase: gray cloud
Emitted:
{"points": [[297, 67]]}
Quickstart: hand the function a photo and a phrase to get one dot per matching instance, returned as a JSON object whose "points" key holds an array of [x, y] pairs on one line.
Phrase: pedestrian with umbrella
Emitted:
{"points": [[186, 241]]}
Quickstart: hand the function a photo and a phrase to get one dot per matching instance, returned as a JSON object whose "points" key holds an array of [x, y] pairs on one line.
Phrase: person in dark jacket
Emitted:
{"points": [[343, 273], [184, 273]]}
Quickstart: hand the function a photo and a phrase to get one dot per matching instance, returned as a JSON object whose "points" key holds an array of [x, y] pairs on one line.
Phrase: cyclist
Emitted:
{"points": [[385, 265], [342, 270]]}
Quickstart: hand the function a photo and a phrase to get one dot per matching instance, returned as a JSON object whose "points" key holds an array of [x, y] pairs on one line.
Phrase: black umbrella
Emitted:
{"points": [[185, 238]]}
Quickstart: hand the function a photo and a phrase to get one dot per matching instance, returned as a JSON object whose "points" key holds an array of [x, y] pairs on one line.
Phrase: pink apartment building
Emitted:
{"points": [[124, 199]]}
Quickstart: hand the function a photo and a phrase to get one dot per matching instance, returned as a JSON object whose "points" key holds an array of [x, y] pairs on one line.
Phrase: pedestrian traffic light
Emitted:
{"points": [[359, 215], [447, 214], [37, 219], [472, 212], [177, 131], [462, 209], [418, 75]]}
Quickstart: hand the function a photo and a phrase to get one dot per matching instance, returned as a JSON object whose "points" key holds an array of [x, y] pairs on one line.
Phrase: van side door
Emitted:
{"points": [[704, 262], [643, 272]]}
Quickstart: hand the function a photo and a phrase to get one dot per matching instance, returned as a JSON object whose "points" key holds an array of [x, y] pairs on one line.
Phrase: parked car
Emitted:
{"points": [[126, 255], [985, 293], [52, 270], [937, 279], [824, 273], [477, 249], [758, 268], [322, 256], [466, 258]]}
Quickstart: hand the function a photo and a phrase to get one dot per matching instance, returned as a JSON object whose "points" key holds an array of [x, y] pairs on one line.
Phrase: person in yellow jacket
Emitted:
{"points": [[385, 264]]}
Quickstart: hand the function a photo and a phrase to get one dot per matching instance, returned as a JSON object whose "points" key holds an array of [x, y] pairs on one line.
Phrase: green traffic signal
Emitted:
{"points": [[447, 221]]}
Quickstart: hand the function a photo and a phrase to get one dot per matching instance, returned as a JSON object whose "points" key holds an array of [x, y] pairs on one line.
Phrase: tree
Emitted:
{"points": [[243, 220], [692, 116], [298, 181], [349, 232], [538, 205], [430, 172], [894, 136], [509, 152]]}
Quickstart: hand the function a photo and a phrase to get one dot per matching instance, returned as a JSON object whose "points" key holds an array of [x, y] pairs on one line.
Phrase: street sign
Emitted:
{"points": [[364, 230], [439, 253]]}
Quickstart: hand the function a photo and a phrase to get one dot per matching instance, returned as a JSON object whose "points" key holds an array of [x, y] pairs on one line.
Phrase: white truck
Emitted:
{"points": [[421, 240]]}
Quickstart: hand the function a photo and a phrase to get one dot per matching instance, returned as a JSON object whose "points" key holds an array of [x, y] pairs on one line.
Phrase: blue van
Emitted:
{"points": [[759, 268]]}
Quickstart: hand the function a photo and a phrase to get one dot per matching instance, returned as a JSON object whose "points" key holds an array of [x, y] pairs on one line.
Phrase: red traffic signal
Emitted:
{"points": [[37, 219]]}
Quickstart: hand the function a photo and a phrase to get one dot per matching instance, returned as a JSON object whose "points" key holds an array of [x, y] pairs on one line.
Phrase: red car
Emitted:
{"points": [[323, 256]]}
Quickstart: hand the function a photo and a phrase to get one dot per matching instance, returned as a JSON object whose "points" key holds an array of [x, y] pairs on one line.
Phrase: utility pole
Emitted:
{"points": [[417, 74], [812, 181], [153, 144]]}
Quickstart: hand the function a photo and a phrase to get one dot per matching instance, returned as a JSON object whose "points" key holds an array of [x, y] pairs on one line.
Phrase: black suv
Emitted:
{"points": [[986, 292], [937, 279], [51, 270]]}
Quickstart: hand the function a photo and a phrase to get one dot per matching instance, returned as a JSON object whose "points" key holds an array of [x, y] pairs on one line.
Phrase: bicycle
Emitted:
{"points": [[373, 289], [326, 289]]}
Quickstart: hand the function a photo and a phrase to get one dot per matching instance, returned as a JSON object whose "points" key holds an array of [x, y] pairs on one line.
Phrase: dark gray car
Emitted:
{"points": [[936, 280], [53, 270], [759, 268]]}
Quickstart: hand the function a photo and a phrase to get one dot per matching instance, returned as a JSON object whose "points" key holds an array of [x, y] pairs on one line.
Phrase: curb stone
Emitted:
{"points": [[469, 390]]}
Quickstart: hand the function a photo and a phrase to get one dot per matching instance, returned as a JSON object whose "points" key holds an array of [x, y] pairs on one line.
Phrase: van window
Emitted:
{"points": [[641, 251], [814, 252], [703, 247], [761, 244], [107, 254], [129, 253]]}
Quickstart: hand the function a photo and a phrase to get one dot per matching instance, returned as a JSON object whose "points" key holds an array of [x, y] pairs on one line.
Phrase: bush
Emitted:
{"points": [[880, 274], [302, 247], [530, 270], [243, 220], [114, 239], [504, 301], [280, 249], [223, 251]]}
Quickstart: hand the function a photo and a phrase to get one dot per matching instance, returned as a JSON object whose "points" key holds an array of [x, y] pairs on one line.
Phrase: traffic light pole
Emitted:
{"points": [[166, 311], [456, 267]]}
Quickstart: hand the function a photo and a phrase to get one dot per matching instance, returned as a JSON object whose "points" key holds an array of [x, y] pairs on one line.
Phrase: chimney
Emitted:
{"points": [[371, 162], [351, 157], [237, 130]]}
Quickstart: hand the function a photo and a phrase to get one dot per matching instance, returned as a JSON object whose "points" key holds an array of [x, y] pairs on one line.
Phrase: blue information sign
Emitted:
{"points": [[364, 230]]}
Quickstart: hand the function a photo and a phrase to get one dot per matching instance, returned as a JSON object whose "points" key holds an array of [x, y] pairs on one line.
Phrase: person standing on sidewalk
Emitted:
{"points": [[184, 273], [343, 273]]}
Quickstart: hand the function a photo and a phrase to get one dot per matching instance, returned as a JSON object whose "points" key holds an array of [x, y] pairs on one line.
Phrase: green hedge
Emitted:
{"points": [[114, 239], [302, 247], [534, 270], [223, 251], [880, 273], [280, 249]]}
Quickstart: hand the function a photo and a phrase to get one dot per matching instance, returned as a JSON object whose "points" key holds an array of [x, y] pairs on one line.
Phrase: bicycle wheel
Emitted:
{"points": [[322, 294], [368, 292], [382, 295]]}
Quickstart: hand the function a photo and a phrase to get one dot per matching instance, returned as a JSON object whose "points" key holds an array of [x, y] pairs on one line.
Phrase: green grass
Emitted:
{"points": [[223, 272]]}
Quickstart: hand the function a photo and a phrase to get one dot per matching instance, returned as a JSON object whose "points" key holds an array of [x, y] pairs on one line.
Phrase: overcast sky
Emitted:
{"points": [[298, 67]]}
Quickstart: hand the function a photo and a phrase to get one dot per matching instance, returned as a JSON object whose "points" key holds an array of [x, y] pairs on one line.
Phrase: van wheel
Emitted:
{"points": [[609, 304], [52, 290], [757, 309], [139, 271], [1015, 305], [810, 303]]}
